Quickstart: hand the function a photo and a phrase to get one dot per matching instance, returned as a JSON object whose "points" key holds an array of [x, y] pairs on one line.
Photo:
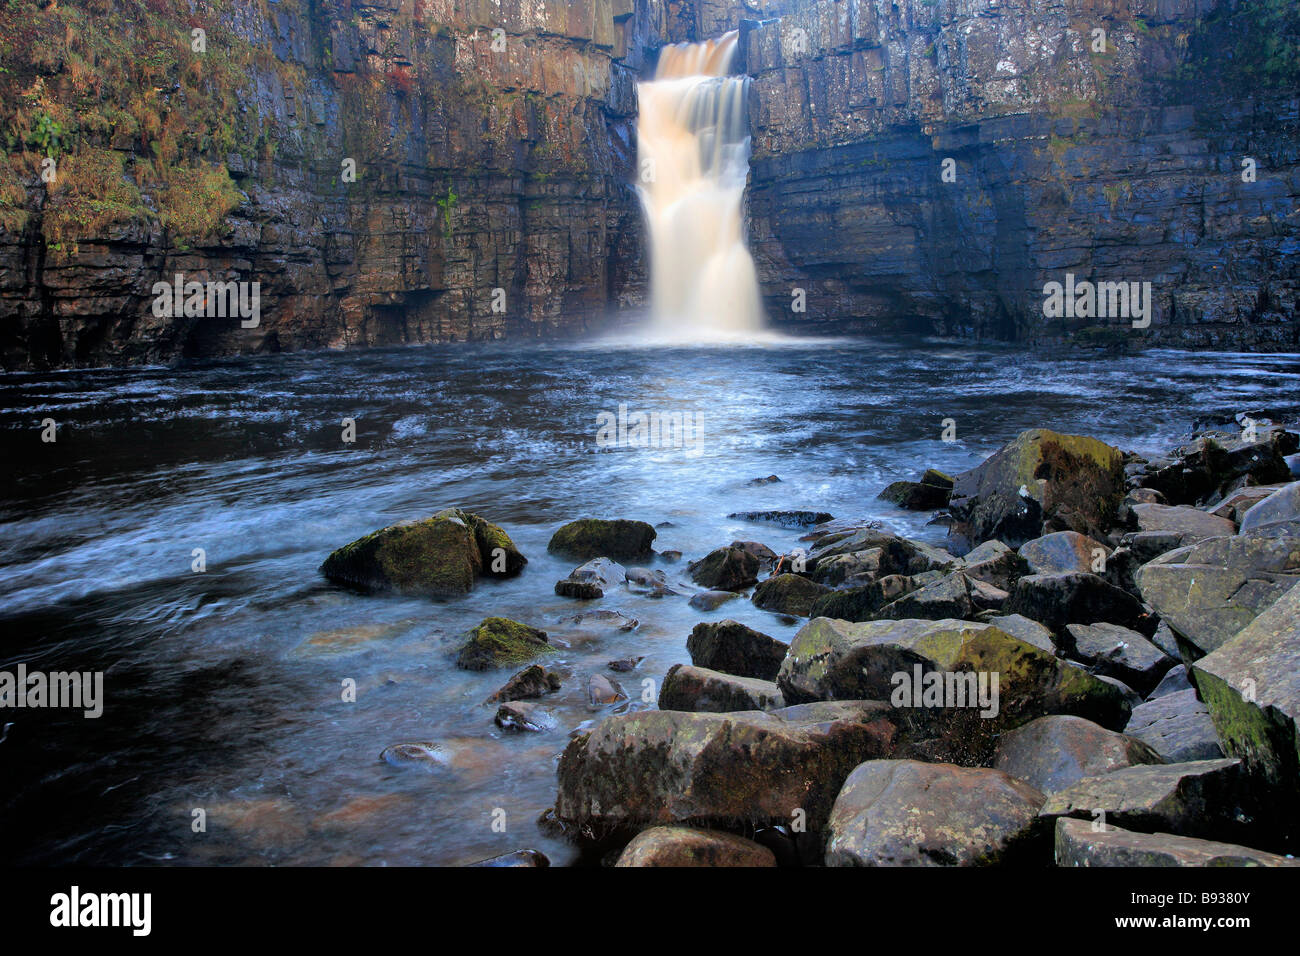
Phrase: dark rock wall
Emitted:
{"points": [[1122, 165]]}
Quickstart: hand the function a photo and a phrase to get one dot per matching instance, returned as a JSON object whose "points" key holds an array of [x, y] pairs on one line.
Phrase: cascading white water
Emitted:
{"points": [[693, 141]]}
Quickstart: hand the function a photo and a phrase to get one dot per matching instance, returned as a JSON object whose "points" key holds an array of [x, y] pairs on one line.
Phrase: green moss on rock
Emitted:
{"points": [[499, 641], [600, 538]]}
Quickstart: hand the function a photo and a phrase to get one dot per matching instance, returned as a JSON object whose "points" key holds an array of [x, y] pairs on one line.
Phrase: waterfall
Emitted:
{"points": [[693, 145]]}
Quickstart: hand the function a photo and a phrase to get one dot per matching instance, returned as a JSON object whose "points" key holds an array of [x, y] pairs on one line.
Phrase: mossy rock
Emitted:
{"points": [[500, 557], [437, 557], [789, 594], [498, 642], [598, 537]]}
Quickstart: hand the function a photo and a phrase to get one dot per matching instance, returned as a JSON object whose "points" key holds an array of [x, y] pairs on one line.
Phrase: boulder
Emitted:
{"points": [[733, 648], [500, 557], [592, 580], [530, 683], [1064, 552], [725, 569], [885, 660], [1213, 462], [523, 715], [596, 537], [994, 563], [949, 597], [498, 642], [711, 600], [1201, 798], [1281, 506], [1235, 505], [877, 553], [862, 603], [1053, 752], [602, 690], [436, 557], [788, 594], [1119, 652], [1177, 726], [1041, 481], [1251, 685], [759, 550], [688, 846], [699, 689], [1208, 592], [1175, 679], [1189, 525], [909, 813], [930, 493], [1078, 843], [757, 768], [1022, 628], [1057, 600]]}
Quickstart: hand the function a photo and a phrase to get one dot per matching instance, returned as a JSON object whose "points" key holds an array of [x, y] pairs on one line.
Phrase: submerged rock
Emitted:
{"points": [[517, 858], [697, 689], [733, 648], [908, 813], [786, 519], [658, 767], [625, 664], [788, 594], [499, 641], [1053, 752], [595, 537], [422, 753], [530, 683], [1079, 843], [1041, 481], [523, 715], [592, 580], [688, 846]]}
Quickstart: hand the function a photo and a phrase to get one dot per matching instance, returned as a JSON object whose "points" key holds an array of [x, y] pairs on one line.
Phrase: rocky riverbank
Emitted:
{"points": [[1099, 669]]}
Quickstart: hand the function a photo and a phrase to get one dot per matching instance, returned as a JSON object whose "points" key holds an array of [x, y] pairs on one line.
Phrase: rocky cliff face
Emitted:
{"points": [[1114, 156], [388, 171], [493, 146]]}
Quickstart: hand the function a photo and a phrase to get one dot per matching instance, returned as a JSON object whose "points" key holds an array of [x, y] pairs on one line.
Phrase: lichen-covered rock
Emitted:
{"points": [[1177, 726], [1251, 685], [661, 767], [725, 569], [1208, 592], [1053, 752], [699, 689], [688, 846], [595, 537], [1119, 652], [1057, 600], [437, 557], [1064, 552], [1041, 481], [1022, 628], [733, 648], [499, 642], [1201, 798], [837, 660], [1079, 843], [908, 813], [788, 594]]}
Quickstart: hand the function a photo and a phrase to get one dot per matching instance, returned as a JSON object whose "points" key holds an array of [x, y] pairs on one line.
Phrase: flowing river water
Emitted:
{"points": [[223, 688]]}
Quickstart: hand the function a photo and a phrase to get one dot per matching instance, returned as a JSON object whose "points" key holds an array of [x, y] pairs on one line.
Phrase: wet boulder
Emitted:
{"points": [[595, 537], [786, 519], [788, 594], [1203, 798], [698, 689], [711, 600], [1041, 481], [1057, 600], [1251, 685], [1064, 552], [1188, 525], [530, 683], [499, 642], [1119, 652], [602, 691], [725, 569], [733, 648], [929, 494], [1177, 726], [756, 768], [909, 813], [438, 557], [524, 716], [1079, 843], [688, 846], [592, 580], [1054, 752], [1208, 592]]}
